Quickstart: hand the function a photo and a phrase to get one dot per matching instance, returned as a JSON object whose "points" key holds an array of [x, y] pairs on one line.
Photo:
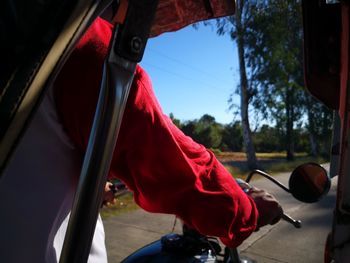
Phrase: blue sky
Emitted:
{"points": [[193, 72]]}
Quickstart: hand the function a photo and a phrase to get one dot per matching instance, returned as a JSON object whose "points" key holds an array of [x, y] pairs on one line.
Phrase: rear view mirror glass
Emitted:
{"points": [[309, 182]]}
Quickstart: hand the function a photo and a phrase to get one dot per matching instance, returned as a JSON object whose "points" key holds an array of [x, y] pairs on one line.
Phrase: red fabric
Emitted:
{"points": [[167, 171], [172, 15]]}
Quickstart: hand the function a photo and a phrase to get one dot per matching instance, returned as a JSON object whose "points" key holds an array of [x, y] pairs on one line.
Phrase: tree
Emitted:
{"points": [[232, 137], [319, 126], [205, 131], [177, 122], [274, 55], [236, 27], [209, 132], [189, 128], [268, 139]]}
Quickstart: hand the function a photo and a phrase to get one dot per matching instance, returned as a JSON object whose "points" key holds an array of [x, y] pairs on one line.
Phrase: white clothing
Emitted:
{"points": [[37, 190]]}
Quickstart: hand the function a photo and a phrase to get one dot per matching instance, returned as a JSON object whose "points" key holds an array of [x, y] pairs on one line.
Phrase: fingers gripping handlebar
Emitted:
{"points": [[247, 188]]}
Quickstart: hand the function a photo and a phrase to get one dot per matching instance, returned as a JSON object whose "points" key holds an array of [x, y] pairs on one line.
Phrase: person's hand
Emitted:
{"points": [[108, 197], [270, 211]]}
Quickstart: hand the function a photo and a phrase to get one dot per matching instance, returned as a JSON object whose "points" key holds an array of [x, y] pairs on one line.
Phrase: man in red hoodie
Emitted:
{"points": [[167, 171]]}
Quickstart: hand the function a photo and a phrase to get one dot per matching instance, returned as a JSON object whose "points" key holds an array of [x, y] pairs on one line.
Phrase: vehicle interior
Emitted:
{"points": [[38, 36]]}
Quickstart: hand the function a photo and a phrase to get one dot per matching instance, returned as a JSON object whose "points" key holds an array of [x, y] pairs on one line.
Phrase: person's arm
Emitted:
{"points": [[167, 171], [170, 173]]}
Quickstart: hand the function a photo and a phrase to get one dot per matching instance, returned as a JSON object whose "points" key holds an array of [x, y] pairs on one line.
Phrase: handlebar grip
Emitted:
{"points": [[295, 223], [246, 187]]}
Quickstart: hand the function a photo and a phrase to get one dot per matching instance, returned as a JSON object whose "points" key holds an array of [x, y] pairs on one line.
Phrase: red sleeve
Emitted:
{"points": [[167, 171]]}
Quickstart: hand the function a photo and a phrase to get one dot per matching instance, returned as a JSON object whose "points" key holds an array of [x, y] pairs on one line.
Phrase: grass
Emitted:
{"points": [[271, 163], [123, 204], [235, 163], [287, 166], [260, 156]]}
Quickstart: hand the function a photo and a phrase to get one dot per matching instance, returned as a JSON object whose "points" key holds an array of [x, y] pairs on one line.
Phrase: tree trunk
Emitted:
{"points": [[289, 123], [313, 145], [247, 137], [312, 137]]}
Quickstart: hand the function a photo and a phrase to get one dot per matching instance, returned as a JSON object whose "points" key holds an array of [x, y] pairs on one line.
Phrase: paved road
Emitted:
{"points": [[284, 243], [280, 243]]}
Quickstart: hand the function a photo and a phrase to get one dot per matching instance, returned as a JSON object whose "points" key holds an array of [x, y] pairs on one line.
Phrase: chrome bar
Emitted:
{"points": [[289, 219], [116, 82], [267, 176]]}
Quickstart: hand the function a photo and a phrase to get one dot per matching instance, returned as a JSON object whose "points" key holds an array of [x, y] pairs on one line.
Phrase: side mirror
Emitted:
{"points": [[309, 182]]}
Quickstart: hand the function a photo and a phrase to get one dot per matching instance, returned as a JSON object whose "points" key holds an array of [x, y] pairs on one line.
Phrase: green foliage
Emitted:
{"points": [[275, 61], [269, 35], [205, 131], [319, 126], [302, 140], [232, 138], [268, 139], [177, 122], [212, 134]]}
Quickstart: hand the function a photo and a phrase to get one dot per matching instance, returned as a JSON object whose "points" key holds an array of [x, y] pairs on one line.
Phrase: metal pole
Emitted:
{"points": [[125, 50], [116, 82]]}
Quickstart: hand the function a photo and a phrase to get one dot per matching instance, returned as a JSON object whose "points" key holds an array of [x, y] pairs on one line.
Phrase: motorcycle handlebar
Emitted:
{"points": [[246, 186], [120, 189]]}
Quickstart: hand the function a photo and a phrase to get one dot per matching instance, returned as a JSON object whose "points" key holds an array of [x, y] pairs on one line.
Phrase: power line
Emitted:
{"points": [[185, 77], [188, 65]]}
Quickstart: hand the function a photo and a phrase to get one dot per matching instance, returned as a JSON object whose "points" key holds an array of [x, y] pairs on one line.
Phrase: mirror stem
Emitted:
{"points": [[266, 175]]}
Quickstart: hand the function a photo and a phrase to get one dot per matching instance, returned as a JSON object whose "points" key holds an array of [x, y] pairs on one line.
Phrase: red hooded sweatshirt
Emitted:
{"points": [[167, 171]]}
